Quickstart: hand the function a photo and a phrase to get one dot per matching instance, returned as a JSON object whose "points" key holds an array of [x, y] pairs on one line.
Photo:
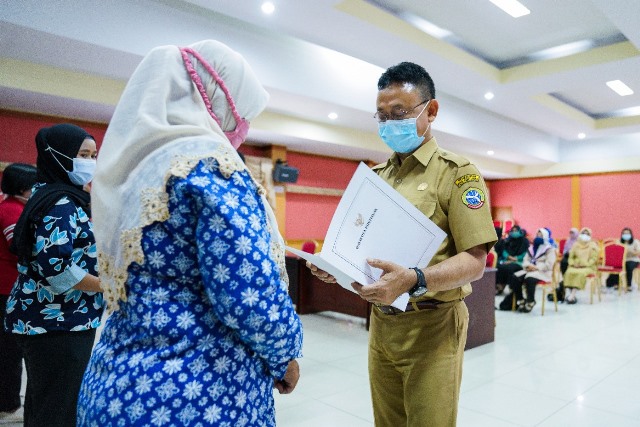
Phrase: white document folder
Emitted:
{"points": [[374, 221]]}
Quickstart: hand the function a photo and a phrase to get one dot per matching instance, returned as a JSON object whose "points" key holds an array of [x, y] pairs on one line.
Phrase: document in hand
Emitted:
{"points": [[374, 221]]}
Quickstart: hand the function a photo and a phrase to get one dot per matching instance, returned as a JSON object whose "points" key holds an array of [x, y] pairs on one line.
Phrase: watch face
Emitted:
{"points": [[418, 292]]}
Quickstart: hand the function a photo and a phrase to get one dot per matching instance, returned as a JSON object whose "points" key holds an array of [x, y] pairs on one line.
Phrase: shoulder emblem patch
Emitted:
{"points": [[473, 198], [467, 178]]}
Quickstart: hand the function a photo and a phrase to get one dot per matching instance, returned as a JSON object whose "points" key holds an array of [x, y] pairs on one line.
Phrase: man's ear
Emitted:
{"points": [[432, 109]]}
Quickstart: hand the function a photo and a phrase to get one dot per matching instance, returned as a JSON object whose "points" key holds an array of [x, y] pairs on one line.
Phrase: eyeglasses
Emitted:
{"points": [[396, 114]]}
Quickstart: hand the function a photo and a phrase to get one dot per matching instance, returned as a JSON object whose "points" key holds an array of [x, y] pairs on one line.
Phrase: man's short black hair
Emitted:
{"points": [[408, 72], [17, 178]]}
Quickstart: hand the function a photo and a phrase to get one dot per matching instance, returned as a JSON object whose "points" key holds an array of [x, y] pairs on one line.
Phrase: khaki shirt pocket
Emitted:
{"points": [[427, 207]]}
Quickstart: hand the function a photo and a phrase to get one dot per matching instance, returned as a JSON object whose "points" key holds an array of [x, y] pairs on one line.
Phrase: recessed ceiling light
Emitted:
{"points": [[620, 88], [424, 25], [490, 152], [333, 116], [489, 96], [268, 8], [582, 135], [512, 7]]}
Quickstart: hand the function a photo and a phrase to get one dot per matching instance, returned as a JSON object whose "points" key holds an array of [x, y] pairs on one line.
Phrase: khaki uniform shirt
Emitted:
{"points": [[449, 190]]}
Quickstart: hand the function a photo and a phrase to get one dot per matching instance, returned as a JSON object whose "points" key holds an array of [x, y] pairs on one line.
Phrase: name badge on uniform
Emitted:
{"points": [[423, 186], [467, 178]]}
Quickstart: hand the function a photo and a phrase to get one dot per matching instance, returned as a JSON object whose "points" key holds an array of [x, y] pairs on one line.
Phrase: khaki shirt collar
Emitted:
{"points": [[422, 154]]}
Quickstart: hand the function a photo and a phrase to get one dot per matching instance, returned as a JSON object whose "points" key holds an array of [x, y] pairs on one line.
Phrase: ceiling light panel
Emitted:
{"points": [[620, 88], [268, 8], [570, 27], [512, 7]]}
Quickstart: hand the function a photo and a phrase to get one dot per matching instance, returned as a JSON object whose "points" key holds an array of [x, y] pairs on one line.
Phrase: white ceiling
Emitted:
{"points": [[72, 58]]}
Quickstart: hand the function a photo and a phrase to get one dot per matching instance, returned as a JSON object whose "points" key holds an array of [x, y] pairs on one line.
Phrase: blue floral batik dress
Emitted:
{"points": [[208, 323]]}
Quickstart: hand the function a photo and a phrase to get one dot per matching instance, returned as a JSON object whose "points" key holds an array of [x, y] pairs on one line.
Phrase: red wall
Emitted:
{"points": [[308, 215], [254, 150], [320, 171], [536, 203], [19, 130], [610, 202]]}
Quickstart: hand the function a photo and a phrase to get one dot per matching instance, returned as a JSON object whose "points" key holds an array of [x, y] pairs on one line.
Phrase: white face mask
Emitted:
{"points": [[585, 237], [626, 236], [83, 169]]}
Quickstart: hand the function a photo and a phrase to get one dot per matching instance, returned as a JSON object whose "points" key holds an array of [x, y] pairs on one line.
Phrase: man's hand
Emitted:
{"points": [[321, 274], [290, 380], [394, 281]]}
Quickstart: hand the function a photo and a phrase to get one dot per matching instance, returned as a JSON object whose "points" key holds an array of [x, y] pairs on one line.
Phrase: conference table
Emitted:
{"points": [[311, 295]]}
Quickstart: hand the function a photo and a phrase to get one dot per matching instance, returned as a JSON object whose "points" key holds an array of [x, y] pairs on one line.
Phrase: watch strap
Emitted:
{"points": [[421, 282]]}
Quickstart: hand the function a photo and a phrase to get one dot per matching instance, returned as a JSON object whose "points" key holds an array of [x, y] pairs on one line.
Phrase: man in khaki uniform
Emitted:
{"points": [[415, 357]]}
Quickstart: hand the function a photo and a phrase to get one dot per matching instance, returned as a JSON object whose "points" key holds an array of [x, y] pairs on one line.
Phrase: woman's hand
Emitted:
{"points": [[321, 274], [290, 379]]}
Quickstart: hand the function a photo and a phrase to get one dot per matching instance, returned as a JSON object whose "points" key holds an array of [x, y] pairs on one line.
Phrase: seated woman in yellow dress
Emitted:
{"points": [[582, 262]]}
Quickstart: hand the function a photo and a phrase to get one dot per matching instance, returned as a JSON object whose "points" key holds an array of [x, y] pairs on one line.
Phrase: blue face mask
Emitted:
{"points": [[402, 135], [538, 241], [83, 169]]}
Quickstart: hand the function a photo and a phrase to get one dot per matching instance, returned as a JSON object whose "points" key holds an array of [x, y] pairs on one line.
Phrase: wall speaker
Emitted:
{"points": [[285, 173]]}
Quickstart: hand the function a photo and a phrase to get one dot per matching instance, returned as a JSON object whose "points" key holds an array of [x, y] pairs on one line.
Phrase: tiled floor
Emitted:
{"points": [[577, 367]]}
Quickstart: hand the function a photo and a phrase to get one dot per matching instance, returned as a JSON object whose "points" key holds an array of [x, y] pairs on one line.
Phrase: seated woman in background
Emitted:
{"points": [[510, 256], [583, 258], [537, 266], [633, 257], [564, 263], [571, 240]]}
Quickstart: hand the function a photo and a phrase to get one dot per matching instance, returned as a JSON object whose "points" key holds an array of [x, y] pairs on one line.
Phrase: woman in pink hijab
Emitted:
{"points": [[192, 263]]}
